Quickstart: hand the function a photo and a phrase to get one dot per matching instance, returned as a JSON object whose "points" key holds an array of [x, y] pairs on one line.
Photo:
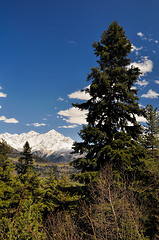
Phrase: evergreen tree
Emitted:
{"points": [[32, 184], [59, 194], [9, 187], [112, 130], [151, 139], [25, 162]]}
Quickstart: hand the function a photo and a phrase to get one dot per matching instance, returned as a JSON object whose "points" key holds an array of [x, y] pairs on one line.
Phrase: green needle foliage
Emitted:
{"points": [[9, 186], [151, 138], [26, 161], [111, 133]]}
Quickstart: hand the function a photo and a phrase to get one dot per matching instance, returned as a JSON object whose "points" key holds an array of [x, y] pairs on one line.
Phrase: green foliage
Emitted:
{"points": [[5, 164], [21, 199], [26, 223], [9, 187], [25, 162], [32, 188], [58, 194], [151, 137], [112, 130]]}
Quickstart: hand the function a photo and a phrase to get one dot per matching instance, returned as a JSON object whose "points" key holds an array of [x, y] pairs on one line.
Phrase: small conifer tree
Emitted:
{"points": [[152, 128], [25, 162]]}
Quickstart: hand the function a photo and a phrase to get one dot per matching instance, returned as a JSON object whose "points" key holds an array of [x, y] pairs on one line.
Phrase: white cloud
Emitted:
{"points": [[3, 95], [2, 118], [44, 119], [9, 120], [156, 41], [142, 83], [140, 34], [145, 65], [150, 94], [69, 126], [156, 81], [74, 115], [36, 124], [82, 95]]}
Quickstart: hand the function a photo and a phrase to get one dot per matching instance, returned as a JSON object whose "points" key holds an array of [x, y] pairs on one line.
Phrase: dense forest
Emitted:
{"points": [[114, 193]]}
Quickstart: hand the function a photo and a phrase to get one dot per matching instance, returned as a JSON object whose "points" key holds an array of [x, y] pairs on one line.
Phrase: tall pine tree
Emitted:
{"points": [[111, 133]]}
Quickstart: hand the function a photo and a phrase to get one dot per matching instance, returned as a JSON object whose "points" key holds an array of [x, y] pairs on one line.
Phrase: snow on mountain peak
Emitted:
{"points": [[45, 144]]}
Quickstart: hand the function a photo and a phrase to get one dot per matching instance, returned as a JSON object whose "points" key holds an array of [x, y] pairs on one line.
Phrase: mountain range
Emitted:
{"points": [[51, 145]]}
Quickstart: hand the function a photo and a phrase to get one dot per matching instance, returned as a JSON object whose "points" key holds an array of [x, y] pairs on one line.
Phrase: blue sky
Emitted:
{"points": [[46, 53]]}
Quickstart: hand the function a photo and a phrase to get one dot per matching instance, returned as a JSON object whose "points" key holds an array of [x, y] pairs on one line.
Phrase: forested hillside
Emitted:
{"points": [[114, 193]]}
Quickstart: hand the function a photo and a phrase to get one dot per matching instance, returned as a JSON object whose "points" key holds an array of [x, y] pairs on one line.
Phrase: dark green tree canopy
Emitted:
{"points": [[113, 104], [26, 161]]}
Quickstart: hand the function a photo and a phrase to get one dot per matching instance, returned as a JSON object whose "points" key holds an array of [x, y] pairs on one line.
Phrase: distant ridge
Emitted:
{"points": [[51, 145]]}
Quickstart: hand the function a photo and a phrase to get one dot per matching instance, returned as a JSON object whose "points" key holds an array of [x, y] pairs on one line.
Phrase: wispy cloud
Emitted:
{"points": [[156, 81], [145, 65], [136, 49], [82, 95], [36, 124], [150, 94], [142, 83], [150, 39], [8, 120], [74, 115], [60, 99], [69, 126]]}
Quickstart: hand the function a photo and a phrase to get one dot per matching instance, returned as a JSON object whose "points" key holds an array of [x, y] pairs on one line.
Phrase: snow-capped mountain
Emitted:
{"points": [[51, 145]]}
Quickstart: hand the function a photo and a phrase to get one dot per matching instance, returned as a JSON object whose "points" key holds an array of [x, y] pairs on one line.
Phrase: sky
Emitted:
{"points": [[46, 53]]}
